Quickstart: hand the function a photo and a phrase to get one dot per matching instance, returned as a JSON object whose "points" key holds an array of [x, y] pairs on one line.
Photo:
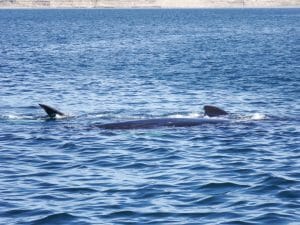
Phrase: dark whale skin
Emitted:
{"points": [[161, 122]]}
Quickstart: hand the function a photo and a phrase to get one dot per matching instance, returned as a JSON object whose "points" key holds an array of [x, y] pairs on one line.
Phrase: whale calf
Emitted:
{"points": [[209, 111]]}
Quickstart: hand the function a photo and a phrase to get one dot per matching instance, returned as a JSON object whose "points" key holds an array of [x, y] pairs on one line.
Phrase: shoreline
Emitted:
{"points": [[148, 8], [147, 4]]}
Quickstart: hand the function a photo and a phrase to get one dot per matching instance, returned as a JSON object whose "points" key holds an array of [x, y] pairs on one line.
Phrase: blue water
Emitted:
{"points": [[104, 66]]}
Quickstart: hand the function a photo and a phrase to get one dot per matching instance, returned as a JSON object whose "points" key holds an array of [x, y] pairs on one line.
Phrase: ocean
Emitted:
{"points": [[102, 66]]}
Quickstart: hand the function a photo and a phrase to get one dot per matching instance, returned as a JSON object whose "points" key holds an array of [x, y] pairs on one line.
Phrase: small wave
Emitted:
{"points": [[124, 213], [100, 116], [272, 218], [222, 187], [253, 117], [211, 200], [77, 190], [238, 222], [190, 115], [16, 117], [49, 197], [159, 215], [59, 218], [276, 180], [272, 183], [16, 212], [110, 116], [134, 166], [289, 194], [69, 145]]}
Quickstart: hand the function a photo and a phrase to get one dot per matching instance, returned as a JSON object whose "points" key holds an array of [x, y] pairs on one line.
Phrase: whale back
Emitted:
{"points": [[213, 111]]}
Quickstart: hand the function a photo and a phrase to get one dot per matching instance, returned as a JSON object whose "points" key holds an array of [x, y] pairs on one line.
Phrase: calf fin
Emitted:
{"points": [[52, 112]]}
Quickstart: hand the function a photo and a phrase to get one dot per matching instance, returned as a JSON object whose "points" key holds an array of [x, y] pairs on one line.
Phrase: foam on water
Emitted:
{"points": [[66, 116], [189, 115], [17, 117], [258, 116], [251, 117]]}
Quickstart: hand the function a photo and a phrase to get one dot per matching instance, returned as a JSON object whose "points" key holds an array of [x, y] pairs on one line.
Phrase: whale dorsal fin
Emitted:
{"points": [[213, 111], [52, 112]]}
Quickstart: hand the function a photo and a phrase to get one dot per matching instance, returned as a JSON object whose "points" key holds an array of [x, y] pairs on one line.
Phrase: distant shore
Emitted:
{"points": [[148, 4], [137, 8]]}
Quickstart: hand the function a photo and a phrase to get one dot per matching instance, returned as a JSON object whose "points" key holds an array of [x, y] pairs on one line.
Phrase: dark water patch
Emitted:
{"points": [[197, 167], [218, 188], [16, 212], [277, 218], [42, 174], [237, 222], [59, 218], [293, 206], [244, 172], [239, 204], [122, 214], [273, 185], [152, 193], [238, 150], [271, 180], [23, 213], [52, 165], [289, 194], [126, 191], [48, 197], [210, 201], [12, 137], [69, 146], [76, 190], [159, 215], [136, 165]]}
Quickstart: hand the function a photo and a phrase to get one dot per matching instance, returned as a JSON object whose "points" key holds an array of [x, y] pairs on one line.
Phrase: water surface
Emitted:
{"points": [[113, 65]]}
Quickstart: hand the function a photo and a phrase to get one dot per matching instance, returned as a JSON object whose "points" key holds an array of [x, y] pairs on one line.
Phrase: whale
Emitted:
{"points": [[211, 114]]}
